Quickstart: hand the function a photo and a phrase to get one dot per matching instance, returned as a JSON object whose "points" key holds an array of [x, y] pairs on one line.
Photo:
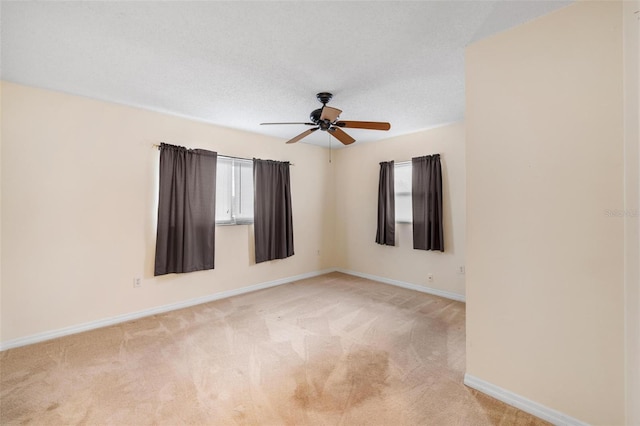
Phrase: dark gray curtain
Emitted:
{"points": [[186, 210], [272, 217], [386, 234], [426, 197]]}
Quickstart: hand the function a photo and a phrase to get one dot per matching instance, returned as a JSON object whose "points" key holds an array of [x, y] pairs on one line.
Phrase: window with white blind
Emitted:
{"points": [[234, 191], [402, 190]]}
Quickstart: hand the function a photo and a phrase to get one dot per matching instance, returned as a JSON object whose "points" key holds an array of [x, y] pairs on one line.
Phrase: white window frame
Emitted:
{"points": [[239, 182], [402, 191]]}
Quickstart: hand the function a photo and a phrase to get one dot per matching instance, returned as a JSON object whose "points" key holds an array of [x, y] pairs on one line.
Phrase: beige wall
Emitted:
{"points": [[79, 185], [632, 206], [0, 213], [545, 285], [356, 215]]}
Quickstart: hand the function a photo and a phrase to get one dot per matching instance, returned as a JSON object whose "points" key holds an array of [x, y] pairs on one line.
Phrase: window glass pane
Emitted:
{"points": [[223, 190], [403, 208], [402, 188], [234, 191], [244, 193]]}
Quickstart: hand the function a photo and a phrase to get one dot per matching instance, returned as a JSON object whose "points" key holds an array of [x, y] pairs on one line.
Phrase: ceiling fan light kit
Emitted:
{"points": [[326, 119]]}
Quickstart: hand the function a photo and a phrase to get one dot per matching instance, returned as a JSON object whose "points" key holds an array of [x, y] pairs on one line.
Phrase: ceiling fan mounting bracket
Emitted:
{"points": [[324, 97]]}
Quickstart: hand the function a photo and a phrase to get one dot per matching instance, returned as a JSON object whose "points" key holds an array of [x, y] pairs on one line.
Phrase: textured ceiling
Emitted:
{"points": [[238, 64]]}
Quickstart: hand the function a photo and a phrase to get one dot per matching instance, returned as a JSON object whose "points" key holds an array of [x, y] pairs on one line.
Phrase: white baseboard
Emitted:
{"points": [[524, 404], [410, 286], [92, 325]]}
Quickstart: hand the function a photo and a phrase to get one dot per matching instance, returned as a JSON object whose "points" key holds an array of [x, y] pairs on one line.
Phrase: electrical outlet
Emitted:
{"points": [[430, 278], [137, 282]]}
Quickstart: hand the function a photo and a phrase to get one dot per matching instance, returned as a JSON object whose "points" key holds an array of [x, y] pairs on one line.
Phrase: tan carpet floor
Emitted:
{"points": [[331, 350]]}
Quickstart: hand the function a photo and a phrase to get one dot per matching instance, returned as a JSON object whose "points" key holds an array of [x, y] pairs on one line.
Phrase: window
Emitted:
{"points": [[402, 189], [234, 191]]}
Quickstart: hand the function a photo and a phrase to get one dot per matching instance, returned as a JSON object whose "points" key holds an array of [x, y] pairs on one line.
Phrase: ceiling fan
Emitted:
{"points": [[326, 119]]}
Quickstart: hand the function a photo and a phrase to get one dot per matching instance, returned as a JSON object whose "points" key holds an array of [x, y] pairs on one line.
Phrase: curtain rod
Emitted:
{"points": [[155, 145], [407, 161]]}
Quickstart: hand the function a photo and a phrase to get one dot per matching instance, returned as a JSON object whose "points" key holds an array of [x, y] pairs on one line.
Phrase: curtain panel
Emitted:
{"points": [[426, 198], [272, 218], [185, 240], [386, 233]]}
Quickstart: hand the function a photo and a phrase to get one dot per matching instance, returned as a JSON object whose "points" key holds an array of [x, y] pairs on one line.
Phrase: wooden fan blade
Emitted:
{"points": [[372, 125], [329, 113], [268, 124], [337, 133], [302, 135]]}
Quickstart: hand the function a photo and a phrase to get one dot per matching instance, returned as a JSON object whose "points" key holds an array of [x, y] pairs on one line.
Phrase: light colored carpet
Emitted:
{"points": [[331, 350]]}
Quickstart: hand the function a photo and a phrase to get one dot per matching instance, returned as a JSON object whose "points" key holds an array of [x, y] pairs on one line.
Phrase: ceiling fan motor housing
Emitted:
{"points": [[315, 118], [315, 115]]}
